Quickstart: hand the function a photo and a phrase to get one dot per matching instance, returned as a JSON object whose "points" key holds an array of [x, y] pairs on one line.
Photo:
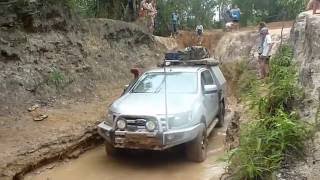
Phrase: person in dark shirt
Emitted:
{"points": [[174, 21]]}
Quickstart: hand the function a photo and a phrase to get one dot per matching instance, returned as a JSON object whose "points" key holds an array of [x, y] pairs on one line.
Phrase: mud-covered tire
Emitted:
{"points": [[221, 115], [110, 150], [196, 150]]}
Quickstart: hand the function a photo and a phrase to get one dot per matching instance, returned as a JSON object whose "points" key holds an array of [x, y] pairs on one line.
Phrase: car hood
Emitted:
{"points": [[153, 104]]}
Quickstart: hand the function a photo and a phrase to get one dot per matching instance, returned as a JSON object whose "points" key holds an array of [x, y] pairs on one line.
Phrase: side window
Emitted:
{"points": [[206, 78]]}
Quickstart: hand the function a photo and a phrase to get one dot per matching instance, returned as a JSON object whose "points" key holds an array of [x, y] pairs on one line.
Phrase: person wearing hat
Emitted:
{"points": [[264, 50]]}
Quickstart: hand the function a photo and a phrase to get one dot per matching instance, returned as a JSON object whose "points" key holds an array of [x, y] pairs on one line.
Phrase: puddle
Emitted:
{"points": [[153, 165]]}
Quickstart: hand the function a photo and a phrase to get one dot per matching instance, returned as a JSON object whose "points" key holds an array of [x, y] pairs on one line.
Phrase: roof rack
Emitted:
{"points": [[201, 62]]}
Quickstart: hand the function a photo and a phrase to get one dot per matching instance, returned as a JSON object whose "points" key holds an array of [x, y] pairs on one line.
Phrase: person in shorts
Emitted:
{"points": [[235, 14], [265, 47]]}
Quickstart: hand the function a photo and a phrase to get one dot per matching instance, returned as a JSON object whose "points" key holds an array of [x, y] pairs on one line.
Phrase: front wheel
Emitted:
{"points": [[196, 150]]}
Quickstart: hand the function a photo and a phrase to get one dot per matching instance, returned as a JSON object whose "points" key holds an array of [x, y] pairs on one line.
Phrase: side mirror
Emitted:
{"points": [[209, 89], [125, 87]]}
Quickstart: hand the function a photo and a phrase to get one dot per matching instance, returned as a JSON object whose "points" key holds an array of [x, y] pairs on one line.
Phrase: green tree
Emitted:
{"points": [[191, 12], [113, 9], [293, 6], [269, 10]]}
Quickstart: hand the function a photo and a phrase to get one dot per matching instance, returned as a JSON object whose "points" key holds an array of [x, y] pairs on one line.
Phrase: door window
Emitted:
{"points": [[206, 78]]}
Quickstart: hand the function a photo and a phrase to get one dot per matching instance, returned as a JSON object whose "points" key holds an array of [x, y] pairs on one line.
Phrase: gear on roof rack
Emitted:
{"points": [[191, 56], [201, 62], [190, 53]]}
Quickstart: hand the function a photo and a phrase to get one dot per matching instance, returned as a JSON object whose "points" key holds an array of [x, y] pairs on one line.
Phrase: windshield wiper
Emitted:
{"points": [[160, 87]]}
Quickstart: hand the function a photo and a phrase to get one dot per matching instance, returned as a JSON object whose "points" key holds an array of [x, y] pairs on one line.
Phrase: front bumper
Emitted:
{"points": [[148, 140]]}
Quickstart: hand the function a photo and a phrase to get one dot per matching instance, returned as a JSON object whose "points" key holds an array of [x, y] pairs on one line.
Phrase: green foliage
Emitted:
{"points": [[57, 79], [112, 9], [293, 7], [86, 8], [283, 79], [255, 11], [191, 13], [265, 142]]}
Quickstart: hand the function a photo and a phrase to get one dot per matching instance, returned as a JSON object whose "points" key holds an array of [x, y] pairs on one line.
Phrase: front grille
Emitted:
{"points": [[136, 123]]}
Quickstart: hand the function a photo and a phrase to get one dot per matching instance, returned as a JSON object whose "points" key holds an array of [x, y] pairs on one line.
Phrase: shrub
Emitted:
{"points": [[277, 131], [264, 143], [57, 79]]}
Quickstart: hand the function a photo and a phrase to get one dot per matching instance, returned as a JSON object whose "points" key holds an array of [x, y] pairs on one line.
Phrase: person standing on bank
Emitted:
{"points": [[265, 47], [236, 15], [199, 32], [314, 5], [175, 22]]}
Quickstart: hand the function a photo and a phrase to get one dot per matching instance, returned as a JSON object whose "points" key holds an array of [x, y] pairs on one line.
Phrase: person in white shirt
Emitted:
{"points": [[199, 31], [264, 50]]}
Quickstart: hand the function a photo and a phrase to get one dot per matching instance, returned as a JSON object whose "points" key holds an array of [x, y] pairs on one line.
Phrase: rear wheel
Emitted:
{"points": [[221, 115], [196, 150]]}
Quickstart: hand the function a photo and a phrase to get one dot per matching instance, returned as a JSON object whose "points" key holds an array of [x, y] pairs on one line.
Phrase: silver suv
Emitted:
{"points": [[166, 107]]}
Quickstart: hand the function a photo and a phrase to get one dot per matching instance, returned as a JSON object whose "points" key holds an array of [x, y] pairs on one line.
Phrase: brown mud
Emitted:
{"points": [[170, 164]]}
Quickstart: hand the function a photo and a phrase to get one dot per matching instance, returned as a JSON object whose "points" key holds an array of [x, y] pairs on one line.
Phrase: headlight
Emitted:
{"points": [[121, 124], [151, 126], [179, 120]]}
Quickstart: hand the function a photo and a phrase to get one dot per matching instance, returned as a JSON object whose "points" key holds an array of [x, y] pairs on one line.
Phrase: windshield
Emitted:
{"points": [[176, 83]]}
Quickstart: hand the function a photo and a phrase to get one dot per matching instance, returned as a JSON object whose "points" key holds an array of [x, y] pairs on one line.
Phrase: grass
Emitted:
{"points": [[275, 131], [58, 79]]}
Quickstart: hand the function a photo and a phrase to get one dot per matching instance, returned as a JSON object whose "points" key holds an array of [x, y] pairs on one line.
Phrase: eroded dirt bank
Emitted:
{"points": [[72, 69], [305, 38]]}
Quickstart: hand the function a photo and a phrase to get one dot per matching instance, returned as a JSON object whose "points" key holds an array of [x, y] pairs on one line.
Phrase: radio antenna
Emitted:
{"points": [[165, 90]]}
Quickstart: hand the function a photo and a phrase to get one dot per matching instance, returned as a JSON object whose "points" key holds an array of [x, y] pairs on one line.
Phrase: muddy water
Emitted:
{"points": [[95, 165]]}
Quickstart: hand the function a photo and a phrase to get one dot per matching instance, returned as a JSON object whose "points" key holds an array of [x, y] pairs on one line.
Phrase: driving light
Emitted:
{"points": [[109, 119], [151, 126], [121, 124]]}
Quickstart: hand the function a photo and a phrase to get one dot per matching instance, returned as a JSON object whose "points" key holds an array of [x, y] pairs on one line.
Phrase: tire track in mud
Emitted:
{"points": [[170, 164]]}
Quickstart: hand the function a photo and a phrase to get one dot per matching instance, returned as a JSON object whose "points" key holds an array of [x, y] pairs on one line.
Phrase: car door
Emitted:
{"points": [[211, 100]]}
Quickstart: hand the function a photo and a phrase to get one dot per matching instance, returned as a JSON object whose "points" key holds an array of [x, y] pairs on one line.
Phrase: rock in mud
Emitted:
{"points": [[75, 154], [41, 117]]}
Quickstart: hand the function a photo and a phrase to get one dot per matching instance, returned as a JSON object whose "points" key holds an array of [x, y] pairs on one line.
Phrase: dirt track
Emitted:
{"points": [[171, 164]]}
